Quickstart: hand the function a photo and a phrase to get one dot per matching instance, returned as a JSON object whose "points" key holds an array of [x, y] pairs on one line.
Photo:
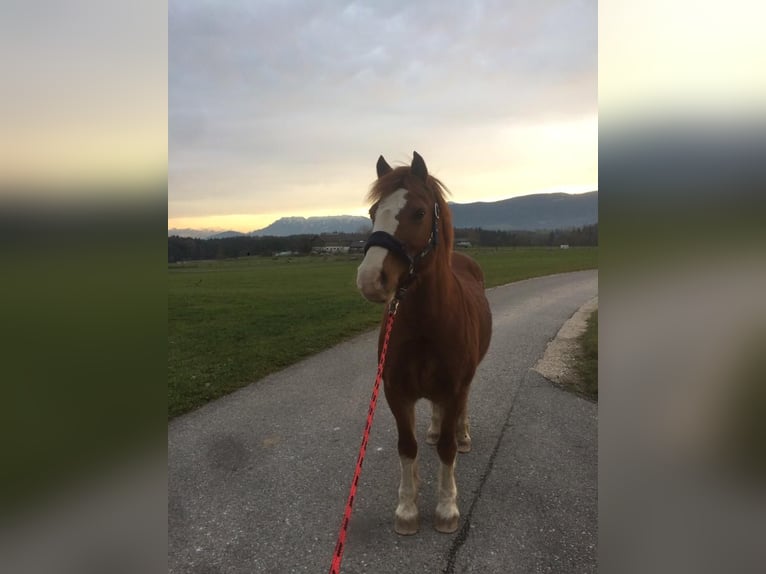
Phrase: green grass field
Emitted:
{"points": [[232, 322]]}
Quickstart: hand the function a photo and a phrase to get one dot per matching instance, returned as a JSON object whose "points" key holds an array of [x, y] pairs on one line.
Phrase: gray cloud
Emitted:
{"points": [[267, 96]]}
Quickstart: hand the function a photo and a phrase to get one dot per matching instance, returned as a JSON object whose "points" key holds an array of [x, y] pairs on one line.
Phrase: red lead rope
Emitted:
{"points": [[338, 556]]}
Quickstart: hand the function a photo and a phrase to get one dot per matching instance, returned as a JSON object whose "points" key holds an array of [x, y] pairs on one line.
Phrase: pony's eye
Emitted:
{"points": [[420, 214]]}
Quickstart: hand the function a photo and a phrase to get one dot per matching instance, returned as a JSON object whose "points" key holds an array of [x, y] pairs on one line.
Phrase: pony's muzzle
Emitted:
{"points": [[372, 286], [371, 278]]}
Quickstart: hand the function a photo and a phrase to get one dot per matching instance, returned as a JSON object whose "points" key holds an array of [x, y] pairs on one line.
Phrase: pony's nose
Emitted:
{"points": [[371, 279], [371, 286]]}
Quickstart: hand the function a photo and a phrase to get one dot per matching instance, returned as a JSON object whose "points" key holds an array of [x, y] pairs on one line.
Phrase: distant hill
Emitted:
{"points": [[314, 225], [195, 233], [529, 212], [204, 233], [226, 234], [523, 213]]}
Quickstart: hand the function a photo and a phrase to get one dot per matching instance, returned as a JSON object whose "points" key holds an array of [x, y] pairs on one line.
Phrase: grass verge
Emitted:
{"points": [[587, 361]]}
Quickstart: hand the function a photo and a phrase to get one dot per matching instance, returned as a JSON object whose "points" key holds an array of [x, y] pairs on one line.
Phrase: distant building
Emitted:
{"points": [[338, 243], [564, 246], [330, 249]]}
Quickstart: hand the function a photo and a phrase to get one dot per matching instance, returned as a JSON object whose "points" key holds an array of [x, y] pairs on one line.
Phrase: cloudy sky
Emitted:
{"points": [[83, 96], [282, 107]]}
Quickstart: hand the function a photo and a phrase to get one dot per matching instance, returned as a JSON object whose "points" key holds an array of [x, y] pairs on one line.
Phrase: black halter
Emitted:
{"points": [[393, 245]]}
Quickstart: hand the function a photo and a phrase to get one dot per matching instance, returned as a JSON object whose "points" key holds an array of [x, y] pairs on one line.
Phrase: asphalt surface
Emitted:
{"points": [[258, 480]]}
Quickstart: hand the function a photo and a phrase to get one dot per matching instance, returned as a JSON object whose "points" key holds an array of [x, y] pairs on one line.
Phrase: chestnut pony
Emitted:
{"points": [[442, 328]]}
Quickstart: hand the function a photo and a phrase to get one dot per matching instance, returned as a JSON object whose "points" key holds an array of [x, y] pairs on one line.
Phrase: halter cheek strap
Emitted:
{"points": [[433, 239], [393, 245]]}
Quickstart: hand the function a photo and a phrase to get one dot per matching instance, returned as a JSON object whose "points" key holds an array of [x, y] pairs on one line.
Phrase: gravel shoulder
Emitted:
{"points": [[558, 362]]}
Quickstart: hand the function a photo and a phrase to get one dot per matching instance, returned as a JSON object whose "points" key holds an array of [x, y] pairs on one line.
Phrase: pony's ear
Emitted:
{"points": [[383, 167], [418, 167]]}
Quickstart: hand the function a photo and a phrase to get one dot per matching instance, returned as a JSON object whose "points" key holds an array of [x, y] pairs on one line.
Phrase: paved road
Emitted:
{"points": [[258, 480]]}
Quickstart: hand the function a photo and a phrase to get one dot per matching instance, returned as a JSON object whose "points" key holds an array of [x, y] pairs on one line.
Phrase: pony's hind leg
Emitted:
{"points": [[406, 518], [434, 429], [447, 514], [462, 434], [463, 437]]}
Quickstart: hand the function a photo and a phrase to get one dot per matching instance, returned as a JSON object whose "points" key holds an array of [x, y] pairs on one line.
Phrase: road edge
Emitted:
{"points": [[557, 364]]}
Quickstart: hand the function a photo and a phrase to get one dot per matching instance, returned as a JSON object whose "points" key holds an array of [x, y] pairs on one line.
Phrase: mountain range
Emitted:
{"points": [[529, 212], [523, 213]]}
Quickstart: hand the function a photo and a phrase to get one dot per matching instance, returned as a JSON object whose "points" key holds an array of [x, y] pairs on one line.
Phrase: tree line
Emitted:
{"points": [[584, 236], [188, 248]]}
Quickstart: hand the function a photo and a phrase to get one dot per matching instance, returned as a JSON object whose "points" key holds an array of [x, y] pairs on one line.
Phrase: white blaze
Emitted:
{"points": [[385, 220]]}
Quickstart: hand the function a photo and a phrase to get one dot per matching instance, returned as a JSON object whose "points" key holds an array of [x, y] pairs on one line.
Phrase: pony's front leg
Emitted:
{"points": [[406, 519], [447, 513]]}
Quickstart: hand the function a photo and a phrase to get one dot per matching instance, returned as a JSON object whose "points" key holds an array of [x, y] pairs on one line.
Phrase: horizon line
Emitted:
{"points": [[360, 212]]}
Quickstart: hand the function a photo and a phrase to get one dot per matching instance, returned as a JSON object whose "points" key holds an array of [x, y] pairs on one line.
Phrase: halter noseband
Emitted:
{"points": [[393, 245]]}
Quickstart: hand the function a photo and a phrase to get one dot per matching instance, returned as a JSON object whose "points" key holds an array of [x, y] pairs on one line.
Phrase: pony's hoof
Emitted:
{"points": [[432, 437], [447, 518], [464, 444], [406, 521]]}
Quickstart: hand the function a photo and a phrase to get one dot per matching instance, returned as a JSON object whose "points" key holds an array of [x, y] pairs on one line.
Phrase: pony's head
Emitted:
{"points": [[412, 229]]}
